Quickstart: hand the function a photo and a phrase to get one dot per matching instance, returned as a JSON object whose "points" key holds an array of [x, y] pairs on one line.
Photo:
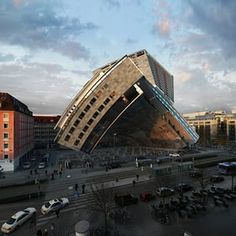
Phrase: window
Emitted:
{"points": [[72, 129], [67, 137], [95, 114], [113, 94], [76, 142], [5, 145], [107, 101], [99, 93], [81, 135], [85, 128], [90, 121], [5, 135], [5, 115], [5, 156], [86, 108], [76, 123], [101, 108], [105, 86], [93, 100], [5, 125], [81, 116]]}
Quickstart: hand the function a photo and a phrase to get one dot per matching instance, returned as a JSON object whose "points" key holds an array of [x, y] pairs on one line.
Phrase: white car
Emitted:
{"points": [[18, 219], [26, 165], [41, 165], [54, 205]]}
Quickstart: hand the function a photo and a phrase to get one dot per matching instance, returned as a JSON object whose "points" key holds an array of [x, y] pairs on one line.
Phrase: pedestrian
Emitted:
{"points": [[76, 187], [39, 233], [33, 221], [52, 176], [31, 172], [83, 188], [137, 177], [57, 212], [46, 172], [133, 183]]}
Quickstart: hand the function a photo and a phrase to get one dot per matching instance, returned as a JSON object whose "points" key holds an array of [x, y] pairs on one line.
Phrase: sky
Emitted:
{"points": [[49, 48]]}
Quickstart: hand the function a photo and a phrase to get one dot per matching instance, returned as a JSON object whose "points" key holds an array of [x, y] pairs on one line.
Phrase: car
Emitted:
{"points": [[146, 196], [113, 165], [41, 165], [174, 155], [18, 219], [216, 179], [183, 187], [165, 192], [26, 165], [53, 205], [125, 200], [195, 174], [33, 158]]}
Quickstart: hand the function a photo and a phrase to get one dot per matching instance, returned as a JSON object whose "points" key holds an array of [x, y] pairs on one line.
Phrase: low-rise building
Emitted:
{"points": [[214, 127], [16, 132]]}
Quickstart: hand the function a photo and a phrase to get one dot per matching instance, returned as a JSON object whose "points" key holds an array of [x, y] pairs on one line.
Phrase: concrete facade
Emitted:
{"points": [[130, 99]]}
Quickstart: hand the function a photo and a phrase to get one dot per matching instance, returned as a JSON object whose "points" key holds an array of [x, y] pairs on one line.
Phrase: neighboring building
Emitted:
{"points": [[214, 127], [44, 132], [16, 132], [127, 102]]}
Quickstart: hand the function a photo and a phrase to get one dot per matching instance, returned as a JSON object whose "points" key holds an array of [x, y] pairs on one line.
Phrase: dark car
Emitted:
{"points": [[113, 165], [125, 200], [216, 179], [183, 187], [146, 196], [165, 191], [195, 174]]}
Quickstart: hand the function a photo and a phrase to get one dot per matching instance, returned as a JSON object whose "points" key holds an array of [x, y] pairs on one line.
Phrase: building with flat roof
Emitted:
{"points": [[44, 132], [127, 102], [214, 127], [16, 132]]}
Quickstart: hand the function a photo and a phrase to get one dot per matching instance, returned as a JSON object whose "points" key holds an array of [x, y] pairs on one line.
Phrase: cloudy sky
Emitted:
{"points": [[48, 48]]}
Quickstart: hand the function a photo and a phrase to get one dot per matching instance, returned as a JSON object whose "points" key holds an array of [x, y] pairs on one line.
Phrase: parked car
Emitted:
{"points": [[216, 179], [54, 205], [26, 165], [146, 196], [18, 219], [113, 165], [33, 158], [41, 165], [165, 191], [183, 187], [195, 174], [125, 200]]}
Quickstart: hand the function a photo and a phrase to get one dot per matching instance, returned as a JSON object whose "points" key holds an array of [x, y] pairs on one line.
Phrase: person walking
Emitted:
{"points": [[83, 188], [137, 177], [57, 212], [134, 183], [39, 233], [76, 187]]}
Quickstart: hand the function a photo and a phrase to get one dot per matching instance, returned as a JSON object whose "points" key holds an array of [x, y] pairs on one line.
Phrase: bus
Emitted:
{"points": [[227, 168]]}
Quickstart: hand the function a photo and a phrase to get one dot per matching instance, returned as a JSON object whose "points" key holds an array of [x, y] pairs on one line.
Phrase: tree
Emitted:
{"points": [[103, 198]]}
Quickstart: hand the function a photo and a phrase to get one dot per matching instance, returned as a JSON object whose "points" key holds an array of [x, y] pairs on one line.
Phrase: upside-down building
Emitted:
{"points": [[127, 102]]}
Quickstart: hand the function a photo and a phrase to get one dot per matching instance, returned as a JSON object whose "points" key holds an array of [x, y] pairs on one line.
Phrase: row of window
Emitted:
{"points": [[90, 121]]}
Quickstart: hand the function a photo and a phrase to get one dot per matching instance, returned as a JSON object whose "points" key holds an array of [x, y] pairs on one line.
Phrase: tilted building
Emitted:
{"points": [[126, 102]]}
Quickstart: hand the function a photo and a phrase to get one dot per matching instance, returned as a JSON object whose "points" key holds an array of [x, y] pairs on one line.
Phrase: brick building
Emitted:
{"points": [[16, 132]]}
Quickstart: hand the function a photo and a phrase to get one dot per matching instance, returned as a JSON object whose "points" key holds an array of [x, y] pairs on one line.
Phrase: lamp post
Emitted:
{"points": [[114, 139]]}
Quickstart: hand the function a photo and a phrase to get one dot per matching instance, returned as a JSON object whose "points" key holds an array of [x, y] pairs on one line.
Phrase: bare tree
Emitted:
{"points": [[103, 198]]}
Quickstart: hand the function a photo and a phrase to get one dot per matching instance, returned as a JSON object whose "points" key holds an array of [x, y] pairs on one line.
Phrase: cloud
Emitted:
{"points": [[45, 88], [39, 24], [6, 57], [113, 3], [217, 19]]}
